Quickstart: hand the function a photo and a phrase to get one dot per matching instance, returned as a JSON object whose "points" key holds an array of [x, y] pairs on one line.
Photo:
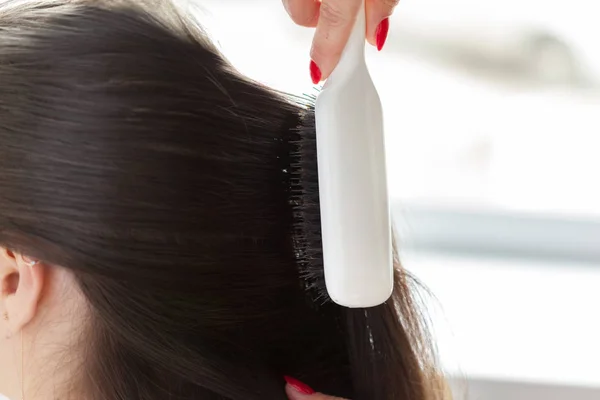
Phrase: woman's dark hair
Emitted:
{"points": [[183, 198]]}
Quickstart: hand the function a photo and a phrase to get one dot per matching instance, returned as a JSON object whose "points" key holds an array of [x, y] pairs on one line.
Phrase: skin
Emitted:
{"points": [[44, 313], [334, 20]]}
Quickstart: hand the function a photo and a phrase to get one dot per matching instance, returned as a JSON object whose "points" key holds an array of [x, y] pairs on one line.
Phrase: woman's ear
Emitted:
{"points": [[22, 283]]}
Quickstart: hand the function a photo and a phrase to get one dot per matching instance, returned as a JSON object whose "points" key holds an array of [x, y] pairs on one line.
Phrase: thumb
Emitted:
{"points": [[297, 390]]}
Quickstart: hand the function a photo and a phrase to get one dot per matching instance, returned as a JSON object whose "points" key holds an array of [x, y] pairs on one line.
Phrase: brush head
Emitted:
{"points": [[325, 284], [355, 215]]}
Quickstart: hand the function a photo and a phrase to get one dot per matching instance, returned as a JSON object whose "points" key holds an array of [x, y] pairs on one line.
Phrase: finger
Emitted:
{"points": [[294, 394], [336, 20], [378, 23], [303, 12]]}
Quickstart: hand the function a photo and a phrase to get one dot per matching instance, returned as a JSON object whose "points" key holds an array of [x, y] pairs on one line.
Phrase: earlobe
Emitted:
{"points": [[23, 281]]}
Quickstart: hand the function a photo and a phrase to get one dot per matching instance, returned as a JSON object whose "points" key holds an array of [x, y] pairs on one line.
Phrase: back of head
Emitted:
{"points": [[134, 156]]}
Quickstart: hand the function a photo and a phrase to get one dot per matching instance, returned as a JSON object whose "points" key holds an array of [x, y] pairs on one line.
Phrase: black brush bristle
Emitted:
{"points": [[304, 199]]}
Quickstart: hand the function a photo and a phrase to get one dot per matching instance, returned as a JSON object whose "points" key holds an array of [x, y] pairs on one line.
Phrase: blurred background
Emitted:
{"points": [[493, 131]]}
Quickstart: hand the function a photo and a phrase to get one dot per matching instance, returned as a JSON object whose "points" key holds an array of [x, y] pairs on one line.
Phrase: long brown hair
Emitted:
{"points": [[183, 197]]}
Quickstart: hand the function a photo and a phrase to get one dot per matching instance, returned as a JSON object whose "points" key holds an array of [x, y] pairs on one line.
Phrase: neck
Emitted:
{"points": [[51, 355]]}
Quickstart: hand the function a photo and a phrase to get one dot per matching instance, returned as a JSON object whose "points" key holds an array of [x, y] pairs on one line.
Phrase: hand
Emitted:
{"points": [[334, 20], [297, 390]]}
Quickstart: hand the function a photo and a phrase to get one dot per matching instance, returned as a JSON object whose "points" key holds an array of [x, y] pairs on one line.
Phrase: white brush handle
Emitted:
{"points": [[356, 228]]}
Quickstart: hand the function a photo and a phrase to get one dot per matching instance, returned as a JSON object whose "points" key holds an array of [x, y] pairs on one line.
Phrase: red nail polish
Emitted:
{"points": [[299, 386], [315, 72], [382, 33]]}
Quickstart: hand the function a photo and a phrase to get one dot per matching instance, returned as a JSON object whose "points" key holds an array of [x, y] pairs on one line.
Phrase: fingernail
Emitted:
{"points": [[315, 72], [382, 33], [299, 386]]}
